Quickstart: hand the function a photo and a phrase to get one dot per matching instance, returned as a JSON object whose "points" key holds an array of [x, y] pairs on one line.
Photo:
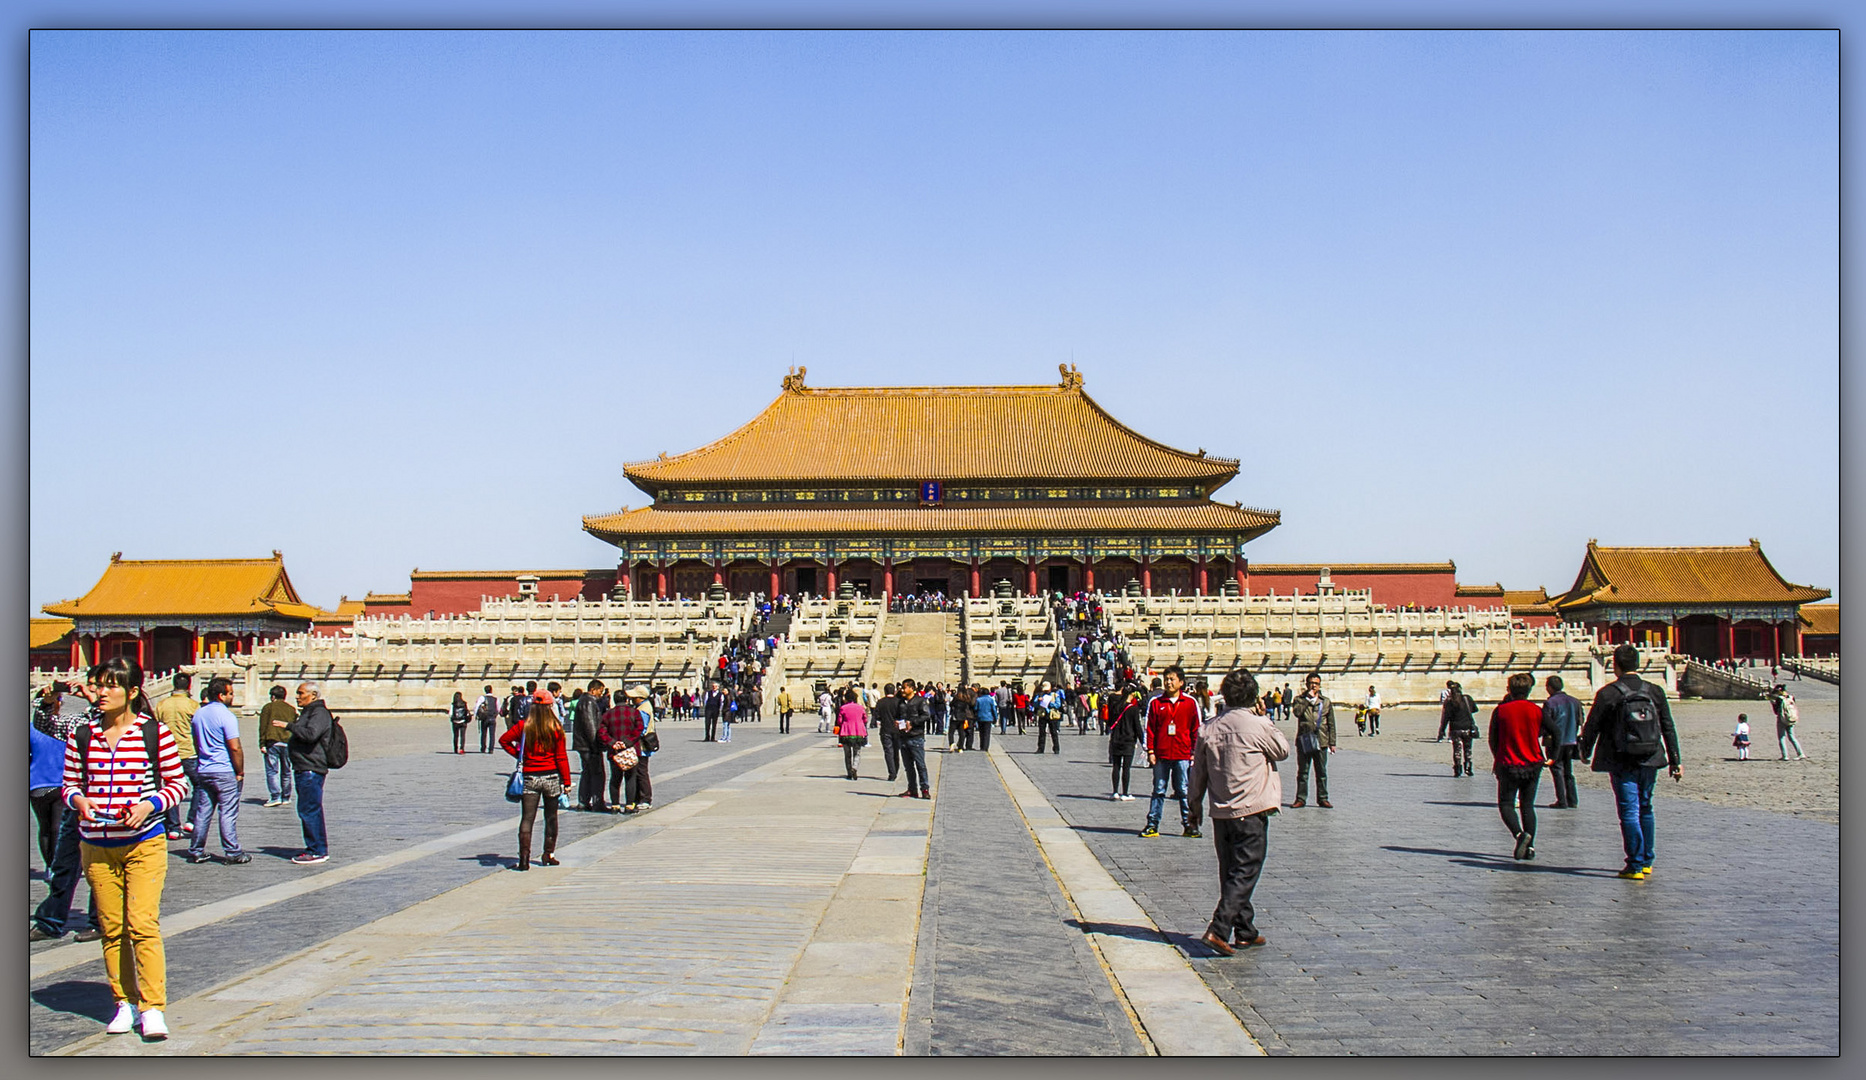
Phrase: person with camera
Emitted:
{"points": [[122, 772]]}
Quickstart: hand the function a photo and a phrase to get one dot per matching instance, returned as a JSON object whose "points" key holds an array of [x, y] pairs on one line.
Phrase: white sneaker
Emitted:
{"points": [[270, 802], [1114, 796], [154, 1026], [121, 1023]]}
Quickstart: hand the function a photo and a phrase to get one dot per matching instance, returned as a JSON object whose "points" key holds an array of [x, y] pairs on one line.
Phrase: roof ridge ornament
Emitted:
{"points": [[1072, 379], [794, 381]]}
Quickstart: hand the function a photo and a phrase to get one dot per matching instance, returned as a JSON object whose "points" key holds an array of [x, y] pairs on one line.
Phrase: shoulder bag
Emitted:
{"points": [[515, 784]]}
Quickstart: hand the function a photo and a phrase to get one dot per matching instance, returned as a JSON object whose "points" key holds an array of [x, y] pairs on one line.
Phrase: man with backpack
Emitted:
{"points": [[516, 704], [1786, 714], [316, 747], [585, 739], [1628, 735], [487, 713]]}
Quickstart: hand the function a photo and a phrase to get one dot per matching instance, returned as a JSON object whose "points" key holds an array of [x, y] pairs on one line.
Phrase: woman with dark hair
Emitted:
{"points": [[459, 716], [851, 731], [1516, 750], [122, 771], [1123, 736], [538, 744]]}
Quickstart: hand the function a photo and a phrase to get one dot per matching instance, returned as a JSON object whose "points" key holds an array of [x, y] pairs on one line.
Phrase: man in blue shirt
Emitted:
{"points": [[221, 767]]}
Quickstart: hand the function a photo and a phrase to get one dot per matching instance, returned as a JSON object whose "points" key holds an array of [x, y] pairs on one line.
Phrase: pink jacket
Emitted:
{"points": [[854, 720]]}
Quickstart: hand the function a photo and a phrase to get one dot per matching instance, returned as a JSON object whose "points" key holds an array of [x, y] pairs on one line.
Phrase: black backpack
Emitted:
{"points": [[1637, 732], [151, 733], [336, 746]]}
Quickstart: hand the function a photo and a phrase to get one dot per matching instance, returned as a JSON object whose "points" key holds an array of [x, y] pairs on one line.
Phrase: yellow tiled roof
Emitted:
{"points": [[1479, 590], [908, 434], [347, 609], [44, 632], [1525, 597], [655, 523], [1682, 575], [135, 588], [388, 598], [1821, 619]]}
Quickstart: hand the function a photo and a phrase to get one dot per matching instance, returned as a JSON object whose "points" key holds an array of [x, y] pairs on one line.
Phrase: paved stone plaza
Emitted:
{"points": [[769, 906]]}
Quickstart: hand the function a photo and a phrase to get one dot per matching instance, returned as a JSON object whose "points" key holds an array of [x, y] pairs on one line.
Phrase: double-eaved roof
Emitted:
{"points": [[946, 433], [1681, 575], [198, 588], [652, 522]]}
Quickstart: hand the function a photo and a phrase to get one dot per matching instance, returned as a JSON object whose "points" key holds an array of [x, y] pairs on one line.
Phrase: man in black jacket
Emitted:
{"points": [[1615, 738], [715, 704], [589, 745], [912, 726], [887, 711], [1459, 715], [309, 733]]}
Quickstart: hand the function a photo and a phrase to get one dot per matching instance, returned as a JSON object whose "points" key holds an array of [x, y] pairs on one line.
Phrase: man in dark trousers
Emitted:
{"points": [[1172, 732], [715, 704], [1234, 764], [1315, 740], [310, 734], [1561, 736], [515, 706], [587, 741], [1628, 735], [487, 713], [887, 711], [912, 725], [1459, 715]]}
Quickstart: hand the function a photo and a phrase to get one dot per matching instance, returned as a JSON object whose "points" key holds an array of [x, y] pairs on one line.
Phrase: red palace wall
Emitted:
{"points": [[1427, 589], [457, 596]]}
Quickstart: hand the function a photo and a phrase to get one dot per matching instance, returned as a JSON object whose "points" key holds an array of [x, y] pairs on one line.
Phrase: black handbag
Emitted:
{"points": [[650, 742]]}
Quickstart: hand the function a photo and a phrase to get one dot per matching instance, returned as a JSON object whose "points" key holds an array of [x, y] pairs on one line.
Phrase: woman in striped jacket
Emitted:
{"points": [[120, 785]]}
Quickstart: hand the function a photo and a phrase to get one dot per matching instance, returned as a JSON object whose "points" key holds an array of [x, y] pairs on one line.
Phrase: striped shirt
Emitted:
{"points": [[115, 778]]}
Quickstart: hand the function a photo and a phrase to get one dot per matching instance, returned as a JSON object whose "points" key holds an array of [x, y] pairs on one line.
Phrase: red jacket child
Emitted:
{"points": [[1172, 727]]}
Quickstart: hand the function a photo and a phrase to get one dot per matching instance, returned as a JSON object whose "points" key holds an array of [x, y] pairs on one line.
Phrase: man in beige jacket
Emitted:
{"points": [[1235, 764]]}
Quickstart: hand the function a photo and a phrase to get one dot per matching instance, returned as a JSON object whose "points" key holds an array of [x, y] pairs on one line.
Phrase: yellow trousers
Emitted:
{"points": [[127, 882]]}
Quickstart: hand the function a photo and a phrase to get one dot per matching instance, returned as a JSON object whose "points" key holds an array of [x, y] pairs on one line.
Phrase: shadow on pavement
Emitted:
{"points": [[1126, 930], [276, 852], [1484, 860], [1446, 802], [490, 859], [90, 999]]}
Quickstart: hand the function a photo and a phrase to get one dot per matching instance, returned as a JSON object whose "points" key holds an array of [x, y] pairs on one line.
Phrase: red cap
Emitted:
{"points": [[542, 697]]}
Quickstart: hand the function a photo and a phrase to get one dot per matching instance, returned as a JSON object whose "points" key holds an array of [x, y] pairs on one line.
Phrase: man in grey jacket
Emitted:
{"points": [[1235, 764], [1315, 740]]}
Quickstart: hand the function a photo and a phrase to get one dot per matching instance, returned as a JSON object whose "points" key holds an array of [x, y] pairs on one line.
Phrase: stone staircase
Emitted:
{"points": [[924, 647]]}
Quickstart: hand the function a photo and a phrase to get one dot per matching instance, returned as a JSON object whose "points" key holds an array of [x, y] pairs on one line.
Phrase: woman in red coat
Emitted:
{"points": [[1516, 753], [546, 769]]}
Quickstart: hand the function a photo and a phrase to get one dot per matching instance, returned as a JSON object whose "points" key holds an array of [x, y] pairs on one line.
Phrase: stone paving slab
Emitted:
{"points": [[1399, 924], [373, 830], [683, 940]]}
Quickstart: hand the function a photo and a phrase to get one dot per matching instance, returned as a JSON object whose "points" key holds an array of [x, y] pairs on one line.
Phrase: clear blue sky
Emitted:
{"points": [[393, 300]]}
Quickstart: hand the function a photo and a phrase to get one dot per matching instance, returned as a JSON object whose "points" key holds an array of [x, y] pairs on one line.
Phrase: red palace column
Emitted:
{"points": [[975, 582], [1775, 645], [1726, 638], [142, 649], [719, 573], [1146, 575], [77, 652], [1202, 581], [1032, 590], [887, 576], [831, 564], [1242, 570], [777, 579], [660, 581], [1088, 575]]}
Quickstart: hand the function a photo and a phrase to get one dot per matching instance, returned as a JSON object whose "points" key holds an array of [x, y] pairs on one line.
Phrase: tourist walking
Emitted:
{"points": [[458, 717], [1126, 732], [45, 783], [1049, 718], [544, 767], [714, 705], [515, 707], [1172, 732], [176, 712], [275, 746], [887, 713], [1315, 740], [1628, 735], [1458, 715], [785, 708], [729, 712], [53, 914], [911, 723], [825, 712], [122, 771], [487, 713], [1371, 707], [220, 772], [1234, 767], [592, 752], [852, 732], [1444, 718], [1516, 758], [984, 715], [1787, 714], [1561, 731], [309, 748]]}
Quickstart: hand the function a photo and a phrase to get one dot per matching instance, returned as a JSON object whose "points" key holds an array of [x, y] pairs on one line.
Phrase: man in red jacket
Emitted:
{"points": [[1172, 733]]}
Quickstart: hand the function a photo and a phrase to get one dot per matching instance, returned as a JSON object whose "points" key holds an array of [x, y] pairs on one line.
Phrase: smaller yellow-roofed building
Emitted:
{"points": [[164, 613], [1712, 603]]}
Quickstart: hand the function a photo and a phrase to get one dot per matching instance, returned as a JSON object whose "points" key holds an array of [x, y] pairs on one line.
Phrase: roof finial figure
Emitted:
{"points": [[794, 380], [1072, 379]]}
